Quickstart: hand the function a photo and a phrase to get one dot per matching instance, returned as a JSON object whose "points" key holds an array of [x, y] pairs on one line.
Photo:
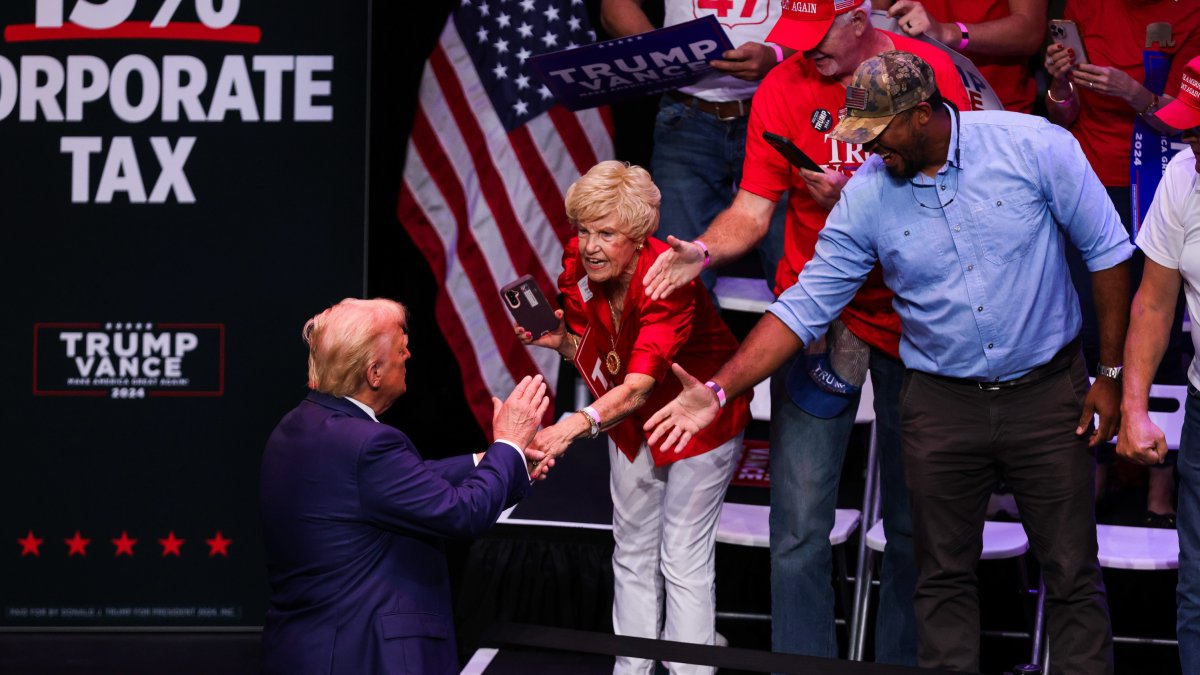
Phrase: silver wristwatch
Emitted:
{"points": [[1111, 372]]}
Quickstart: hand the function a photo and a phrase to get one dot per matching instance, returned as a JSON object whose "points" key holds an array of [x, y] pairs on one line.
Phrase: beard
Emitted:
{"points": [[905, 165]]}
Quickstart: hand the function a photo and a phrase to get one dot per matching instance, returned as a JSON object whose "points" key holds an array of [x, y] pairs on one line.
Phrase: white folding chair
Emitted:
{"points": [[748, 525]]}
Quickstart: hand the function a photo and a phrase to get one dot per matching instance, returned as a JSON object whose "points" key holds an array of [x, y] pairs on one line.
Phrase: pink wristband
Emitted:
{"points": [[778, 53], [716, 388], [962, 44], [707, 257]]}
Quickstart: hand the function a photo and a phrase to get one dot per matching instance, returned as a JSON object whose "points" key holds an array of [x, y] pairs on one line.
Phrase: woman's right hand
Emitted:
{"points": [[1060, 61], [552, 340]]}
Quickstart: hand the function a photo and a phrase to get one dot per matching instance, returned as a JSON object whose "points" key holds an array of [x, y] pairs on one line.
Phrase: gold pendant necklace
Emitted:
{"points": [[612, 362]]}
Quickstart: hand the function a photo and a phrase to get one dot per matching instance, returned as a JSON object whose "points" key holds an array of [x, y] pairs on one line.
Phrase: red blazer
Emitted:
{"points": [[683, 327]]}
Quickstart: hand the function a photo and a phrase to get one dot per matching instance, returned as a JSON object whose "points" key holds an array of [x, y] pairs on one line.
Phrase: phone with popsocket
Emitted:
{"points": [[1066, 33], [529, 307]]}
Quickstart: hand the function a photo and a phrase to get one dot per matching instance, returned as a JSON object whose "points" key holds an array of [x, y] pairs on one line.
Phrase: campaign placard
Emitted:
{"points": [[632, 67]]}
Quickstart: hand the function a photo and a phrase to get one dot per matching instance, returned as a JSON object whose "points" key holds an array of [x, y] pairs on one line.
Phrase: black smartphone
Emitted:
{"points": [[789, 150], [529, 306]]}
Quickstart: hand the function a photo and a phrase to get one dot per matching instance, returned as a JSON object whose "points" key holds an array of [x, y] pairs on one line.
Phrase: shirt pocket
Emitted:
{"points": [[1005, 226], [913, 256]]}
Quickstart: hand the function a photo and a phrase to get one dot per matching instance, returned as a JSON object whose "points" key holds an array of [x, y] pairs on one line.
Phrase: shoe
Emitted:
{"points": [[1165, 521]]}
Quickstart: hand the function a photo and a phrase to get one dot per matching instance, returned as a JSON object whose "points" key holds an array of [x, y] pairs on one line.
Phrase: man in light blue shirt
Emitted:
{"points": [[968, 215]]}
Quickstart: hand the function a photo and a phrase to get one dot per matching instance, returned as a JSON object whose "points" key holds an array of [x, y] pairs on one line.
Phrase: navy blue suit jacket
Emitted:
{"points": [[353, 522]]}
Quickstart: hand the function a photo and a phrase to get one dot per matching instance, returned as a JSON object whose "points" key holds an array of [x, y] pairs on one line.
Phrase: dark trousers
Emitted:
{"points": [[959, 441]]}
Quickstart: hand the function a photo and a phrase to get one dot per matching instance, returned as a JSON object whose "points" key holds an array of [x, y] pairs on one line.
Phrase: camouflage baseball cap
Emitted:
{"points": [[883, 87]]}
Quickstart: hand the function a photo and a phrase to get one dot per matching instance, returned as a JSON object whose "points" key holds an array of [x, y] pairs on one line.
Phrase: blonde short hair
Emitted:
{"points": [[616, 187], [346, 338]]}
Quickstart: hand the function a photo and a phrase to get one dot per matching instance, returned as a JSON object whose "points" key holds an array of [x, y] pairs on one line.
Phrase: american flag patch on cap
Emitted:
{"points": [[856, 98], [844, 5]]}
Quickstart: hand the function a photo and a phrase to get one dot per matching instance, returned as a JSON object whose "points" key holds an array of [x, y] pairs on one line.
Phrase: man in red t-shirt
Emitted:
{"points": [[803, 98], [999, 36]]}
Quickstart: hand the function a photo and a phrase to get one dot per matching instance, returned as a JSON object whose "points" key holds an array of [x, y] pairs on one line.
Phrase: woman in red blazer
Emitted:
{"points": [[665, 505]]}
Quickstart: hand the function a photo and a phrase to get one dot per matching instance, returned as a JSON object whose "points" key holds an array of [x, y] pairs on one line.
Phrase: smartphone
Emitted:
{"points": [[1066, 33], [789, 150], [529, 306]]}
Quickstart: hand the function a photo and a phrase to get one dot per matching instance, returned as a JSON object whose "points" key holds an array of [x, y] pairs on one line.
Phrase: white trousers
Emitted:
{"points": [[665, 529]]}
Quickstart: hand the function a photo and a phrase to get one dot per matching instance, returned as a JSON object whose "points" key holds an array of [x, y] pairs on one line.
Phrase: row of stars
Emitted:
{"points": [[128, 325], [77, 545], [528, 5]]}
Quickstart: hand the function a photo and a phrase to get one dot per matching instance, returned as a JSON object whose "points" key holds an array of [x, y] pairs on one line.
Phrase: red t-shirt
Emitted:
{"points": [[683, 327], [796, 101], [1011, 77], [1114, 35]]}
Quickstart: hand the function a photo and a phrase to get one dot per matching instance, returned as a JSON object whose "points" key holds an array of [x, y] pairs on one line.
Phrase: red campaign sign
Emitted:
{"points": [[753, 468], [590, 363]]}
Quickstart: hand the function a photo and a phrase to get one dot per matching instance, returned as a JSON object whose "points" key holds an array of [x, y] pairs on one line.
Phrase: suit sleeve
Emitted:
{"points": [[452, 469], [400, 491]]}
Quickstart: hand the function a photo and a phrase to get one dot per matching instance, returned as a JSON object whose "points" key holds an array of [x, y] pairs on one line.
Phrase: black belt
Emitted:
{"points": [[722, 110], [1057, 363]]}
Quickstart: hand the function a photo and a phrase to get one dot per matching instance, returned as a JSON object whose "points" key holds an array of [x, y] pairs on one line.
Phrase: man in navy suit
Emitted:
{"points": [[353, 518]]}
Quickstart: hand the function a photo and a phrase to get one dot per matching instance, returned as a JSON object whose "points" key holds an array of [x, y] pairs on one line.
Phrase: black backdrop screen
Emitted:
{"points": [[182, 185]]}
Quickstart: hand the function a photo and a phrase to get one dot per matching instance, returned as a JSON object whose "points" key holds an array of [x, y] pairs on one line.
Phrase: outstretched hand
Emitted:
{"points": [[674, 268], [685, 416], [517, 419]]}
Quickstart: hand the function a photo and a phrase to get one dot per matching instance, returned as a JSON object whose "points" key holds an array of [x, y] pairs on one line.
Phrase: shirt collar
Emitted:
{"points": [[365, 408]]}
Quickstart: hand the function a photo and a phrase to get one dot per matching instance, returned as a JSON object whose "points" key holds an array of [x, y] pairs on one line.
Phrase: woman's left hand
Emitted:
{"points": [[552, 340], [1107, 81]]}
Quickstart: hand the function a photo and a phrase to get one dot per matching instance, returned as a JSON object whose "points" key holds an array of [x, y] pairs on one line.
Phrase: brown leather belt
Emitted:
{"points": [[722, 110]]}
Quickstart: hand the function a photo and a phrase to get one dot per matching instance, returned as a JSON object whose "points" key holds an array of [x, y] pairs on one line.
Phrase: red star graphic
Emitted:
{"points": [[124, 545], [218, 544], [29, 545], [171, 545], [77, 544]]}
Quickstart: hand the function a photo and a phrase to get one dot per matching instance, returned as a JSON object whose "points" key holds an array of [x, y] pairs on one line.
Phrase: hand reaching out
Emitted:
{"points": [[517, 419], [692, 410], [674, 268]]}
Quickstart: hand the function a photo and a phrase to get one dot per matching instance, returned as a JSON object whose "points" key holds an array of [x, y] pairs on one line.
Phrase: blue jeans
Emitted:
{"points": [[806, 466], [697, 164], [1188, 525]]}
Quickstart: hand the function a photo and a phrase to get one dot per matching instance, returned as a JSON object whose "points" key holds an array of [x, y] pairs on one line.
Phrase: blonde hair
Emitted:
{"points": [[616, 187], [346, 338]]}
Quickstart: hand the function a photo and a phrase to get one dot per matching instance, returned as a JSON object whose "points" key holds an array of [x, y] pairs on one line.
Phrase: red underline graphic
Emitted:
{"points": [[135, 30]]}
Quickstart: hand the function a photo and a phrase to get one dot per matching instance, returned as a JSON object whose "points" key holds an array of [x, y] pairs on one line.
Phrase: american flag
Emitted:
{"points": [[489, 159]]}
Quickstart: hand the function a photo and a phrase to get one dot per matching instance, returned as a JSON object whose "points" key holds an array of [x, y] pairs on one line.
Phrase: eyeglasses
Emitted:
{"points": [[913, 186]]}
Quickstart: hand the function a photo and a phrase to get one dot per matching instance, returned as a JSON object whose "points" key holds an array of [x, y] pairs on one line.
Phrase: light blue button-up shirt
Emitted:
{"points": [[974, 256]]}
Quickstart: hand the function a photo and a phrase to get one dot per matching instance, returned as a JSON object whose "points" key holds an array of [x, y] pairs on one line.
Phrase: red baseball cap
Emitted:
{"points": [[1184, 111], [804, 23]]}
